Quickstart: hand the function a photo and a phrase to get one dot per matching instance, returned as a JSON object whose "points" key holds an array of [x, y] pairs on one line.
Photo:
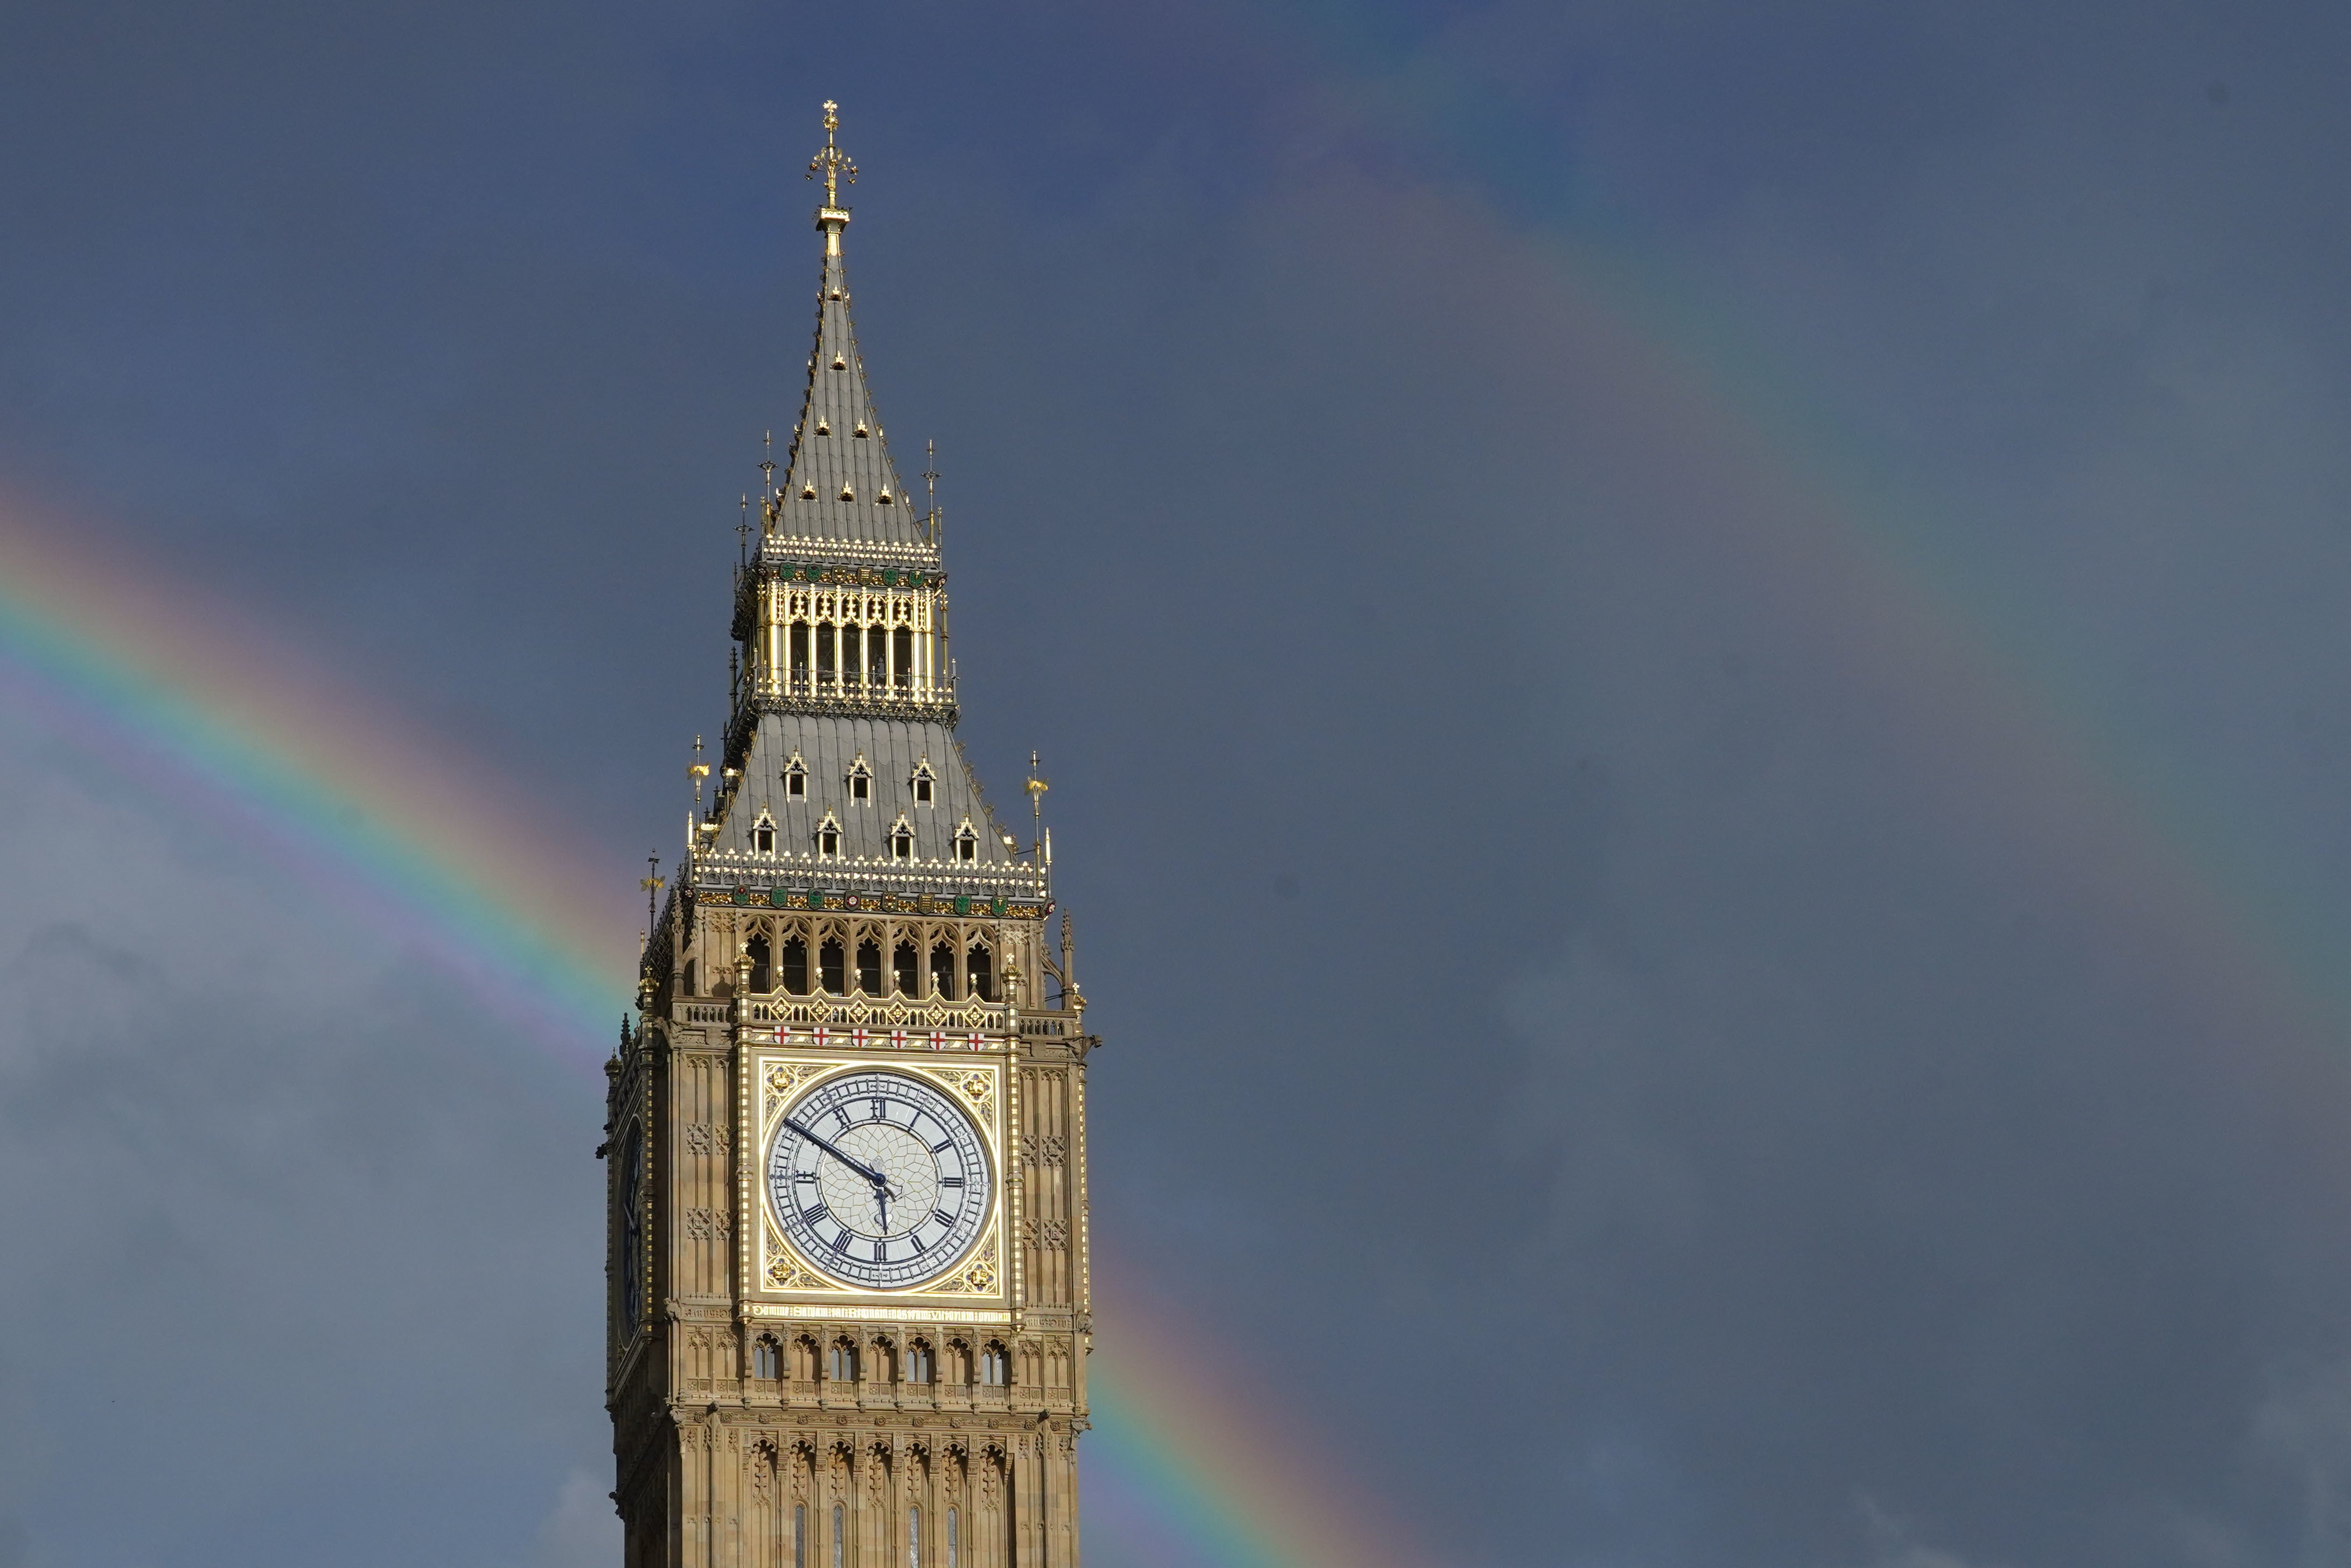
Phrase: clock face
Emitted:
{"points": [[632, 1233], [879, 1179]]}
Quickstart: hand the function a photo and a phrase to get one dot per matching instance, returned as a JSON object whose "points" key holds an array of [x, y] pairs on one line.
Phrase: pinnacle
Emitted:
{"points": [[840, 485]]}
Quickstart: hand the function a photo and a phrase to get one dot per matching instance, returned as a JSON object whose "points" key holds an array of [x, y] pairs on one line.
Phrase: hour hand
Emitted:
{"points": [[810, 1134]]}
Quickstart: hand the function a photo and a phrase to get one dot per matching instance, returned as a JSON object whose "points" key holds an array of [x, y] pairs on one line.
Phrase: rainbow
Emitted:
{"points": [[342, 793], [1184, 1471], [365, 810], [1186, 1467]]}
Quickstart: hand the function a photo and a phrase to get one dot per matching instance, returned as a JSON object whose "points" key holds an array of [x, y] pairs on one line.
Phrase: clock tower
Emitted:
{"points": [[846, 1135]]}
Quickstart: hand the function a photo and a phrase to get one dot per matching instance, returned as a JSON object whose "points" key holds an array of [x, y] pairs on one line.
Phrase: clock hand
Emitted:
{"points": [[875, 1176]]}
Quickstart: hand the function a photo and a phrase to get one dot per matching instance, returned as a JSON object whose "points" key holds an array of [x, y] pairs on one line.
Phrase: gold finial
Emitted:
{"points": [[1037, 787], [931, 487], [832, 162], [651, 884]]}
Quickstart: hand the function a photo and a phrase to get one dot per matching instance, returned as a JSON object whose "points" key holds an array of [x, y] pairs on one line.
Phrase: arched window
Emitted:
{"points": [[983, 972], [799, 643], [902, 840], [824, 656], [763, 977], [884, 1368], [942, 975], [796, 778], [994, 1365], [763, 834], [828, 838], [796, 966], [869, 967], [766, 1358], [904, 658], [877, 651], [829, 966], [904, 967], [923, 781], [861, 780], [843, 1365], [918, 1362], [804, 1360], [852, 665], [967, 843]]}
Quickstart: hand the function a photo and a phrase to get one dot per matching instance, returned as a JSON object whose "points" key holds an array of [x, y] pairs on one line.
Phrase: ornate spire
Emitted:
{"points": [[840, 487]]}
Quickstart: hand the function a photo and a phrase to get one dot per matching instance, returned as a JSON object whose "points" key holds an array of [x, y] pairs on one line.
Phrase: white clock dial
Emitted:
{"points": [[631, 1205], [879, 1179]]}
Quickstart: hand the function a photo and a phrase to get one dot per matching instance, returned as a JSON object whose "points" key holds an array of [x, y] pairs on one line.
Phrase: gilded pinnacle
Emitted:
{"points": [[834, 165]]}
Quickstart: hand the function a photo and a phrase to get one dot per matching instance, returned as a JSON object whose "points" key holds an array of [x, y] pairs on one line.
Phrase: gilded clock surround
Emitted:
{"points": [[771, 1269], [847, 901]]}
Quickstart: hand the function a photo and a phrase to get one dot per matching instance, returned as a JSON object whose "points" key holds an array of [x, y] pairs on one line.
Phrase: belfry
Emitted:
{"points": [[846, 1135]]}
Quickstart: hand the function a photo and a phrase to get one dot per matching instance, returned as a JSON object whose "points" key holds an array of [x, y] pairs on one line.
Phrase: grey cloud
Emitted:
{"points": [[1821, 1153]]}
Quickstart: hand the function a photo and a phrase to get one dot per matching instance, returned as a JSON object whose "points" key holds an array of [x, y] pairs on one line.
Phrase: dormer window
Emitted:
{"points": [[796, 778], [967, 842], [923, 781], [828, 838], [822, 427], [902, 840], [861, 432], [861, 779], [763, 834]]}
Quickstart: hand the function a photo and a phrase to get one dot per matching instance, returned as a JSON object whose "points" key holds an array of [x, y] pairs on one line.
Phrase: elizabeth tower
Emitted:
{"points": [[847, 1133]]}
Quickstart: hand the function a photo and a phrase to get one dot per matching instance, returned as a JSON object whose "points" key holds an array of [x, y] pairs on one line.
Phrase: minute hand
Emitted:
{"points": [[875, 1176]]}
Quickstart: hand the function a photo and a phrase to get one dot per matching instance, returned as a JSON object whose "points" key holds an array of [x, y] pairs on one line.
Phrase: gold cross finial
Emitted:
{"points": [[832, 162]]}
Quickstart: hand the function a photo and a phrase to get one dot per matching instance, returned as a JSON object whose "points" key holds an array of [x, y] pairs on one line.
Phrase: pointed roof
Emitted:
{"points": [[839, 483], [848, 757]]}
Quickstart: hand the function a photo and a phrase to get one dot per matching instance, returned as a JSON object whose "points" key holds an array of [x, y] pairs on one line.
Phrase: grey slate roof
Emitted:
{"points": [[829, 746], [839, 404]]}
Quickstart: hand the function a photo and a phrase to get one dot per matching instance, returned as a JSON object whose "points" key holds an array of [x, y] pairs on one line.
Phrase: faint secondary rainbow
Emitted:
{"points": [[1184, 1471], [355, 801], [1760, 475]]}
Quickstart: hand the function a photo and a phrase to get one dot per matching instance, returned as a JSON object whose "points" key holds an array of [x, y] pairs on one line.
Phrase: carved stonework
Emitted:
{"points": [[783, 1271], [958, 1390], [979, 1092], [977, 1277], [782, 1079]]}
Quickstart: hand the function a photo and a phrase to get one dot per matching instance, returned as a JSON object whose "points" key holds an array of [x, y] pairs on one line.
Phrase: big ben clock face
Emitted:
{"points": [[879, 1179], [633, 1234]]}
